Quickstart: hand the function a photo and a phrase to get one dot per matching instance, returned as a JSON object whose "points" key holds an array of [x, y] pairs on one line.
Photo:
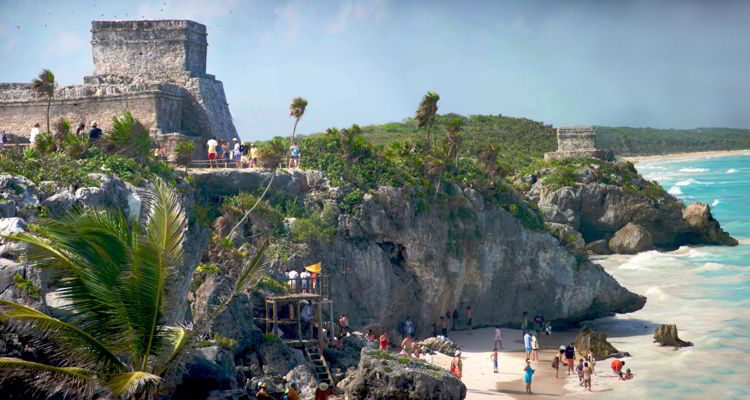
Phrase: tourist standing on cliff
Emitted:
{"points": [[95, 133], [528, 372], [527, 344], [570, 357], [468, 318], [498, 337], [236, 153], [457, 366], [294, 156], [81, 129], [226, 152], [253, 156], [32, 135], [212, 144]]}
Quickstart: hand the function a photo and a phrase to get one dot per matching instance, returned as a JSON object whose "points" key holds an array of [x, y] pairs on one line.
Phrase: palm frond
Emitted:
{"points": [[129, 384], [179, 339], [44, 84], [75, 343], [18, 367], [297, 108], [252, 270]]}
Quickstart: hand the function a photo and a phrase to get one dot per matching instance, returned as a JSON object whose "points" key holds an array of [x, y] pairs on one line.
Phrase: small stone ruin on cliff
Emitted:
{"points": [[578, 142], [156, 69]]}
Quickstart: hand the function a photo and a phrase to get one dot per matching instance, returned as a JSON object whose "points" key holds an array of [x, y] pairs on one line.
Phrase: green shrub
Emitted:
{"points": [[208, 268], [27, 287], [184, 152], [45, 143], [272, 154], [225, 342], [270, 338]]}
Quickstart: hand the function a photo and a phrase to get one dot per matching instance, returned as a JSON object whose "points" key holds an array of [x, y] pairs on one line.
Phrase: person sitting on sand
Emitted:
{"points": [[456, 365], [587, 376], [534, 349], [383, 342], [557, 361], [493, 357], [406, 346], [628, 375], [498, 337], [528, 372], [617, 366]]}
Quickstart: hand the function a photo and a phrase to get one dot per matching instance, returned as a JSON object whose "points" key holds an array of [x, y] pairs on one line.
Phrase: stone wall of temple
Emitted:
{"points": [[578, 142]]}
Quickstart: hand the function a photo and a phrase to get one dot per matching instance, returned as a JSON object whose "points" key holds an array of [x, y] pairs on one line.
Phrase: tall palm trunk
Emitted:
{"points": [[294, 131], [429, 135]]}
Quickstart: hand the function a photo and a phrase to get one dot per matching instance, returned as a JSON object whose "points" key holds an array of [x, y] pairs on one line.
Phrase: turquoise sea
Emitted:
{"points": [[705, 290]]}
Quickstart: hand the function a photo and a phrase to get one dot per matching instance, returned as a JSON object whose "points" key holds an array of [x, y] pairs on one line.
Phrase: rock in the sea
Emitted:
{"points": [[666, 335], [631, 239], [698, 216], [446, 347], [600, 247], [381, 375], [587, 340]]}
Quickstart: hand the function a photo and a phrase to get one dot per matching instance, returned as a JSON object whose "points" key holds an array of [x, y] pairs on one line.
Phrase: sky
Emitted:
{"points": [[650, 63]]}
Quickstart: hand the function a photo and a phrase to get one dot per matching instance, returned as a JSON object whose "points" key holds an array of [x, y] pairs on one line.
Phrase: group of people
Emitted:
{"points": [[243, 155], [450, 320], [94, 133], [304, 281], [292, 392]]}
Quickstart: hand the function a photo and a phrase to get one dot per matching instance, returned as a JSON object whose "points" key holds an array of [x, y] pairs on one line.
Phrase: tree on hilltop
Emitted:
{"points": [[44, 86], [454, 128], [296, 111], [426, 113]]}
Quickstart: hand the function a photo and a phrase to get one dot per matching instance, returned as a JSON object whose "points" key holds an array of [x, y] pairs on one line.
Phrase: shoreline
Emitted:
{"points": [[677, 156]]}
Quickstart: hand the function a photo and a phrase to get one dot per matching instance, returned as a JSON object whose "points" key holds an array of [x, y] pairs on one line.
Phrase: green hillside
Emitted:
{"points": [[648, 141]]}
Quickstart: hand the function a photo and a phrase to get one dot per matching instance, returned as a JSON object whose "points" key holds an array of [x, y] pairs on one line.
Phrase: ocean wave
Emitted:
{"points": [[688, 182], [674, 190], [693, 170], [731, 170], [715, 203], [707, 267]]}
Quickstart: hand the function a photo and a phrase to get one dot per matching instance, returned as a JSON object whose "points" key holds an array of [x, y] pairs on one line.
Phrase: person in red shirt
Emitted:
{"points": [[323, 391], [383, 342], [617, 366]]}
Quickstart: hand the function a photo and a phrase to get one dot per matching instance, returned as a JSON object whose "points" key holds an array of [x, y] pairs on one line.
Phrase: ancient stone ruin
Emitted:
{"points": [[578, 142], [156, 69]]}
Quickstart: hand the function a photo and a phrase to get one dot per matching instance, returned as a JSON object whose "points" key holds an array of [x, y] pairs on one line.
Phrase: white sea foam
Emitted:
{"points": [[731, 170], [674, 190], [715, 203], [710, 267], [688, 182], [693, 170]]}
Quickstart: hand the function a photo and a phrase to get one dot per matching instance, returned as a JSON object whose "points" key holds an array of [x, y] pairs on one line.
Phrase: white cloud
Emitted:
{"points": [[197, 10], [350, 12], [289, 20], [65, 44]]}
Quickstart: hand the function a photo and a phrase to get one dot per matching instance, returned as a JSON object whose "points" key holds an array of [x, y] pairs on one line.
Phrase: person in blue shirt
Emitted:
{"points": [[527, 344], [527, 374], [294, 159]]}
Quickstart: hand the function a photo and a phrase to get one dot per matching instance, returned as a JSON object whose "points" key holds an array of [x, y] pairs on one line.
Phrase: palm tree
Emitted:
{"points": [[44, 86], [426, 113], [114, 274], [454, 128], [297, 110], [128, 137]]}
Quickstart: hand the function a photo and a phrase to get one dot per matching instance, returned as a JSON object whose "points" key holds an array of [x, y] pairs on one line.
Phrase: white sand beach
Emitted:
{"points": [[637, 159]]}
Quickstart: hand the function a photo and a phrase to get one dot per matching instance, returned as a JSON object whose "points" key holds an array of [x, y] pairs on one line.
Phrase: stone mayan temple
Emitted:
{"points": [[156, 69], [578, 142]]}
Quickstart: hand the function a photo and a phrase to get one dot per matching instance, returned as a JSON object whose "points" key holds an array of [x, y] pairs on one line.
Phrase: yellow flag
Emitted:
{"points": [[313, 268]]}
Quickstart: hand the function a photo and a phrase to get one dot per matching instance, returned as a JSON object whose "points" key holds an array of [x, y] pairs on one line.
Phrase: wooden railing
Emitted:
{"points": [[320, 285]]}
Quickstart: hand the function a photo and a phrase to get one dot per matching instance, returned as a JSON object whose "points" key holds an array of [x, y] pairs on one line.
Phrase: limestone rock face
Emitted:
{"points": [[446, 347], [60, 203], [698, 216], [305, 379], [588, 340], [209, 369], [598, 247], [666, 335], [631, 239], [381, 376], [8, 227]]}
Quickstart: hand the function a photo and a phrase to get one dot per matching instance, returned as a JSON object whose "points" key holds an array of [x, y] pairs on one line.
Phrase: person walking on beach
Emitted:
{"points": [[524, 323], [528, 372], [570, 360], [408, 327], [498, 337], [534, 349], [592, 362], [557, 361], [468, 318], [383, 341], [493, 357], [538, 324], [527, 344], [579, 371], [456, 365], [587, 376]]}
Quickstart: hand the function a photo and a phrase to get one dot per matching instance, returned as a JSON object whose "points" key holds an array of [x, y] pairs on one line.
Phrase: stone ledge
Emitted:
{"points": [[606, 155]]}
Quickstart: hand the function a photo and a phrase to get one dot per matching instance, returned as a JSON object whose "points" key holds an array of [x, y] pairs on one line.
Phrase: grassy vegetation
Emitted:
{"points": [[645, 141]]}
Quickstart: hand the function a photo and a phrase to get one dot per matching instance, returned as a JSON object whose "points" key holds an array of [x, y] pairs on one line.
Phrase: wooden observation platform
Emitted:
{"points": [[297, 317]]}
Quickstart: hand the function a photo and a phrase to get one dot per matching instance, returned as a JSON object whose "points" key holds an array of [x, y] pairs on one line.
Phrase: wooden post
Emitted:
{"points": [[266, 305], [318, 317], [275, 318], [299, 323]]}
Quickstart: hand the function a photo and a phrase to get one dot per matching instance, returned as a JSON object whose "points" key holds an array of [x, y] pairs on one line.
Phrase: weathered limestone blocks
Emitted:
{"points": [[578, 142]]}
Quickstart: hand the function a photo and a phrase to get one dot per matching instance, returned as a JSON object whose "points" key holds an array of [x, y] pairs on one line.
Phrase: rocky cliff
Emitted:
{"points": [[616, 210], [392, 257]]}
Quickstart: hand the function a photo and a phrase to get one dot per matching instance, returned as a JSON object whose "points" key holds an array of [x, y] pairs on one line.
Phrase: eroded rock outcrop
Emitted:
{"points": [[587, 340], [611, 202], [381, 376], [446, 347], [666, 335]]}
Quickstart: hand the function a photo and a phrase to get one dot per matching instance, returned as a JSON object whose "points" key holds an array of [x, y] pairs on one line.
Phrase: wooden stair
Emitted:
{"points": [[318, 363]]}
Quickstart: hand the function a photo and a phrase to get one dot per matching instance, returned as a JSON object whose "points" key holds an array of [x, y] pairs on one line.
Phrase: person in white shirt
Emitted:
{"points": [[212, 144], [292, 275], [33, 134], [236, 153], [305, 275]]}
